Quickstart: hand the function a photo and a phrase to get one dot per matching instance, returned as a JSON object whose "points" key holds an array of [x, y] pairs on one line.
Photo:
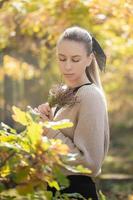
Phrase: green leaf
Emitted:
{"points": [[48, 195], [25, 189], [102, 196], [6, 145], [21, 175], [35, 116], [61, 178], [7, 128], [2, 187]]}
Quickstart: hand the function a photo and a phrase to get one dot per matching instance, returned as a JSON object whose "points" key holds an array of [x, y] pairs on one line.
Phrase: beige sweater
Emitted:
{"points": [[89, 137]]}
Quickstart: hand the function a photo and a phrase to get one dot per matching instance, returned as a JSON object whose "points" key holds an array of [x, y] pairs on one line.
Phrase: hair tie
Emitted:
{"points": [[99, 54]]}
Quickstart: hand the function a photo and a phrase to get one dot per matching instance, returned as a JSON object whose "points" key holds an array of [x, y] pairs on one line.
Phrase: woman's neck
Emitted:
{"points": [[79, 84]]}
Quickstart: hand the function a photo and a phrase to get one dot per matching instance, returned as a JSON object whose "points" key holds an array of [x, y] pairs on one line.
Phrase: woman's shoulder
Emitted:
{"points": [[91, 94], [89, 91]]}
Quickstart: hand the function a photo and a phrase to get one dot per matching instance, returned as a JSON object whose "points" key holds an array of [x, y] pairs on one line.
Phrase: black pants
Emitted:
{"points": [[81, 184]]}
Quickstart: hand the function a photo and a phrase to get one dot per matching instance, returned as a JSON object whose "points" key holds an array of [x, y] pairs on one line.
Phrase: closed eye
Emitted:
{"points": [[63, 60], [75, 60]]}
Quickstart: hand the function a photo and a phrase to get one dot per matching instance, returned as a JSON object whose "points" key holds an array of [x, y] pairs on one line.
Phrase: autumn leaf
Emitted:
{"points": [[20, 116], [55, 125], [34, 131]]}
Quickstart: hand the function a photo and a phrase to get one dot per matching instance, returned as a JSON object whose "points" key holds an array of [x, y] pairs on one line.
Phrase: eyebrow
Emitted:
{"points": [[72, 56]]}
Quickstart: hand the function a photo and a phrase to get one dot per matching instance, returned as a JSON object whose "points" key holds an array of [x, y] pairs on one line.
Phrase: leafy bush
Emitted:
{"points": [[29, 161]]}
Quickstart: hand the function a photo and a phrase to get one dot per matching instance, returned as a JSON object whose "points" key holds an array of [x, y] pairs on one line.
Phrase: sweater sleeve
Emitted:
{"points": [[88, 139]]}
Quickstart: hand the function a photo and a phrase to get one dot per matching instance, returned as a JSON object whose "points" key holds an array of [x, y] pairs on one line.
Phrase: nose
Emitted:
{"points": [[68, 65]]}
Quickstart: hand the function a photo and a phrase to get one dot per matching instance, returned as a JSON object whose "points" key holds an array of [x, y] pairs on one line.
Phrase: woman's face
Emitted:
{"points": [[72, 61]]}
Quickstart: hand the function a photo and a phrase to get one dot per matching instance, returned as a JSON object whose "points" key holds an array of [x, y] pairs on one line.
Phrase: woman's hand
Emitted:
{"points": [[45, 112]]}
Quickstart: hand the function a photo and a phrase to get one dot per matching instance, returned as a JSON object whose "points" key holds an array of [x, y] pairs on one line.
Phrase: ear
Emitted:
{"points": [[90, 58]]}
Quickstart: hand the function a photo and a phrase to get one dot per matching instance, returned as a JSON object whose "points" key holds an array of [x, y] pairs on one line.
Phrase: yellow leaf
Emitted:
{"points": [[82, 169], [58, 146], [45, 143], [54, 184], [8, 138], [5, 170], [34, 131], [20, 116], [65, 123]]}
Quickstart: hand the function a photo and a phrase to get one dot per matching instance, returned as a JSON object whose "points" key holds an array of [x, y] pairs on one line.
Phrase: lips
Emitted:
{"points": [[68, 74]]}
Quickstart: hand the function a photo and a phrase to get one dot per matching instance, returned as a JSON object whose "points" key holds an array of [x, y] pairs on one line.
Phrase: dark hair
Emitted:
{"points": [[78, 34]]}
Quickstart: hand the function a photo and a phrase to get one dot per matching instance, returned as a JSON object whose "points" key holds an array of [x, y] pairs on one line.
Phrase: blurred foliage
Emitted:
{"points": [[117, 190], [29, 31], [29, 161]]}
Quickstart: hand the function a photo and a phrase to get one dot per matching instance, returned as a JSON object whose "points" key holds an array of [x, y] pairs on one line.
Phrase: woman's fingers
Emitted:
{"points": [[51, 115], [43, 117], [44, 108], [45, 111]]}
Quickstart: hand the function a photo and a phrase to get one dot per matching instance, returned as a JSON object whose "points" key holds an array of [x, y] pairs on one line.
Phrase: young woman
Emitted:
{"points": [[79, 56]]}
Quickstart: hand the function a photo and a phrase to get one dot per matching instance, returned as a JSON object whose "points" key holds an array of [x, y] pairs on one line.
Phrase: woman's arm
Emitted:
{"points": [[89, 133]]}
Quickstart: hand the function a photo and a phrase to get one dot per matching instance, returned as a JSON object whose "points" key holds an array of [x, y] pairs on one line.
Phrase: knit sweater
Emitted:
{"points": [[89, 136]]}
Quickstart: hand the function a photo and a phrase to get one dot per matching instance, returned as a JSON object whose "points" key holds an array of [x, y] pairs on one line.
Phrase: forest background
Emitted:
{"points": [[29, 30]]}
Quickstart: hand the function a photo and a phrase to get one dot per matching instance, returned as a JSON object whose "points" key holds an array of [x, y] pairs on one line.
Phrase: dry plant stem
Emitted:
{"points": [[60, 96]]}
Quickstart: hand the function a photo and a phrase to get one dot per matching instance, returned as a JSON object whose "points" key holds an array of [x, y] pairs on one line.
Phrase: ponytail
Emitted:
{"points": [[93, 75]]}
